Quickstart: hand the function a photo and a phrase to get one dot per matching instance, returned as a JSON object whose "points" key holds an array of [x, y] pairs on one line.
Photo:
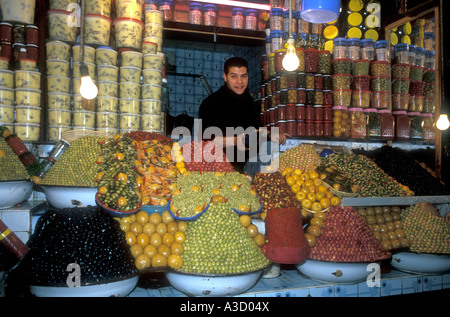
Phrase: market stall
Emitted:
{"points": [[122, 209]]}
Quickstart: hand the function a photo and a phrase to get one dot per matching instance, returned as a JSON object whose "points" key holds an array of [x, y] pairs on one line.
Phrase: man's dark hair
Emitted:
{"points": [[234, 62]]}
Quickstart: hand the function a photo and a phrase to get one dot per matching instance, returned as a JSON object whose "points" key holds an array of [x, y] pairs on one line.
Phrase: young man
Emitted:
{"points": [[232, 106]]}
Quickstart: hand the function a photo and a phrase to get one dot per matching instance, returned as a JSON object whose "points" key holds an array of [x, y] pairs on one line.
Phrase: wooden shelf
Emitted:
{"points": [[212, 34]]}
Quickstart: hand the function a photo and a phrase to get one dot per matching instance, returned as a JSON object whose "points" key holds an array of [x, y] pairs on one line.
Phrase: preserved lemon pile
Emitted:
{"points": [[10, 164], [219, 243], [155, 240], [77, 165]]}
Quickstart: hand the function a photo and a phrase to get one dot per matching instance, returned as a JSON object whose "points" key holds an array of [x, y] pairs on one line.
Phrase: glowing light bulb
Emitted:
{"points": [[88, 89], [290, 60], [442, 123]]}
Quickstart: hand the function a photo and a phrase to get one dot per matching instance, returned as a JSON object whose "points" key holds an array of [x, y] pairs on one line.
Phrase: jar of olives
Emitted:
{"points": [[429, 128], [400, 102], [428, 105], [358, 123], [415, 103], [300, 112], [416, 73], [341, 122], [301, 80], [401, 71], [361, 67], [301, 95], [301, 58], [324, 62], [340, 48], [402, 125], [380, 83], [373, 123], [311, 60], [416, 125]]}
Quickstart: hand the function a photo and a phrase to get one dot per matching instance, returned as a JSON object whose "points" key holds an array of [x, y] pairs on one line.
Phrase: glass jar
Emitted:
{"points": [[291, 80], [311, 60], [411, 54], [327, 97], [401, 54], [309, 97], [237, 19], [281, 112], [291, 127], [301, 80], [301, 58], [277, 40], [420, 57], [340, 48], [166, 8], [430, 60], [318, 81], [327, 82], [209, 14], [309, 127], [318, 129], [286, 22], [353, 45], [381, 50], [373, 123], [301, 128], [402, 125], [282, 126], [271, 62], [318, 97], [268, 45], [387, 124], [291, 113], [300, 112], [358, 123], [428, 41], [367, 49], [327, 113], [291, 95], [416, 125], [327, 128], [309, 81], [251, 20], [341, 122], [309, 113], [279, 55], [195, 13], [429, 127], [318, 113], [324, 62], [302, 26], [301, 96], [276, 19]]}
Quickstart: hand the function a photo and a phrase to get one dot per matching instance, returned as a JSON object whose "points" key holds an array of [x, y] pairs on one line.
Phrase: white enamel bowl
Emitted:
{"points": [[70, 197], [421, 262], [14, 192]]}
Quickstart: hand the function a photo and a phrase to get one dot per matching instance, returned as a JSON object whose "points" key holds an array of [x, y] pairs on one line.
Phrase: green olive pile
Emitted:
{"points": [[425, 232], [303, 157], [195, 190], [217, 243], [362, 171], [117, 178], [76, 166], [10, 164]]}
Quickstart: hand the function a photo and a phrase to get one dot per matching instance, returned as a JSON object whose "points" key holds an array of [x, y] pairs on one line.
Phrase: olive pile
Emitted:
{"points": [[117, 186], [76, 166], [273, 191], [88, 237], [203, 156], [195, 190], [303, 157], [10, 164], [362, 171], [216, 243], [426, 232]]}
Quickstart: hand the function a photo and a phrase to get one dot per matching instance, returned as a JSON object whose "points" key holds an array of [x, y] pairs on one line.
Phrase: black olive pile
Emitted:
{"points": [[400, 165], [87, 236]]}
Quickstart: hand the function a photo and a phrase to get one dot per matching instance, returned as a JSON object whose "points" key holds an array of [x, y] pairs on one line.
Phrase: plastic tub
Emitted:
{"points": [[129, 89], [130, 73], [151, 106], [76, 69], [400, 86], [129, 8], [380, 68], [108, 88], [400, 71], [59, 117], [129, 121], [320, 11], [58, 50], [131, 58], [59, 100], [361, 82], [342, 97], [58, 67], [18, 12], [84, 118], [107, 72], [342, 66], [129, 105], [341, 81], [400, 102], [150, 91], [80, 103], [7, 78], [340, 48], [128, 32], [6, 114], [55, 132], [7, 96], [105, 55], [149, 48], [27, 64], [27, 131], [416, 103], [107, 104], [152, 76], [361, 98], [195, 13], [97, 29], [89, 53], [4, 62], [151, 122], [153, 16], [110, 131], [28, 114], [153, 30], [428, 105], [157, 40], [107, 119], [28, 97], [101, 7], [380, 83], [361, 67], [62, 26], [27, 79], [416, 88], [153, 61], [58, 84], [379, 100], [61, 4]]}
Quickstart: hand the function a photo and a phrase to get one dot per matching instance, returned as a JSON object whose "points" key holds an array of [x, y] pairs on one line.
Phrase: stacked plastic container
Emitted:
{"points": [[20, 78]]}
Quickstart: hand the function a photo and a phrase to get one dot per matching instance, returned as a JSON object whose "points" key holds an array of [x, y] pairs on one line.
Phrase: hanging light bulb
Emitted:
{"points": [[442, 123], [290, 61], [88, 89]]}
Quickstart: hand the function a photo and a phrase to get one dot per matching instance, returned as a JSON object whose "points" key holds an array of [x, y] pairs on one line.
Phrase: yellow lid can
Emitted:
{"points": [[355, 5], [330, 32], [371, 34], [354, 32], [354, 19]]}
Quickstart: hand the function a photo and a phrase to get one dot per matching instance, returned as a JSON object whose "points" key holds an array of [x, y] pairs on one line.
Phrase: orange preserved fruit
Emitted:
{"points": [[142, 217], [175, 261], [182, 226], [155, 218], [143, 239], [148, 228], [161, 228], [142, 261], [168, 238], [136, 228], [259, 239], [150, 250], [335, 201], [180, 237], [159, 260], [136, 249], [155, 239], [130, 237], [164, 249], [176, 248], [314, 230]]}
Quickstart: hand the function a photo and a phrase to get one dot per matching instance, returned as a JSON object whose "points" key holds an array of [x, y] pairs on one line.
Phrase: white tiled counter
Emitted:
{"points": [[291, 283]]}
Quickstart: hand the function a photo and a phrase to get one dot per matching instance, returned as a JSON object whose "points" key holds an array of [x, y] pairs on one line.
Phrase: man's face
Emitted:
{"points": [[236, 79]]}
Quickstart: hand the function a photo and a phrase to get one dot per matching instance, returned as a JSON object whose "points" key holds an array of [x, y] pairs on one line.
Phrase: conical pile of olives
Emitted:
{"points": [[10, 164]]}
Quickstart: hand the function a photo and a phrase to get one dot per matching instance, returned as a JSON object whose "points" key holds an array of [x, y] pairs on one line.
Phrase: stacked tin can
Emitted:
{"points": [[20, 80]]}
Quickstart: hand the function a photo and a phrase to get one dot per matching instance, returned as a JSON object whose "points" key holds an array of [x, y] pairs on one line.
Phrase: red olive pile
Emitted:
{"points": [[345, 237], [204, 156], [362, 171]]}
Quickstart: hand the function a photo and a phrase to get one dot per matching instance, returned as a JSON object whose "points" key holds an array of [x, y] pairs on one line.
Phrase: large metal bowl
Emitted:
{"points": [[14, 192], [337, 272], [213, 285], [70, 197], [421, 262], [118, 288]]}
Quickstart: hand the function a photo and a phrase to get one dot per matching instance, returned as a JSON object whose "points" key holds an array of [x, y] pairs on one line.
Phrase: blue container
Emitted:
{"points": [[320, 11]]}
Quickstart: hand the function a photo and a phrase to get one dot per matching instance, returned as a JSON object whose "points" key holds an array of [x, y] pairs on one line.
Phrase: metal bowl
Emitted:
{"points": [[14, 192], [213, 285], [117, 288], [421, 262], [336, 272], [186, 218], [69, 197]]}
